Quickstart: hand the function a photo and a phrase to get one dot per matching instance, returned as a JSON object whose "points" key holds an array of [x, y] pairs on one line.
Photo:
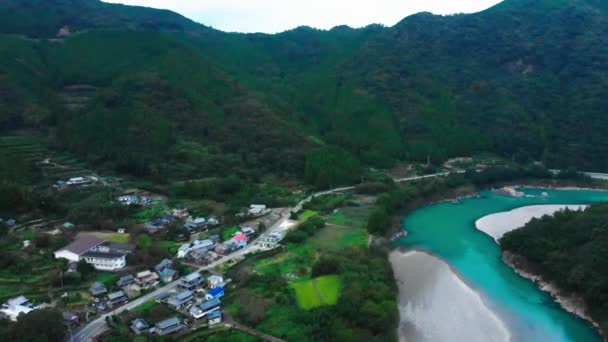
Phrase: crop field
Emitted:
{"points": [[113, 237], [307, 214], [317, 292], [336, 238]]}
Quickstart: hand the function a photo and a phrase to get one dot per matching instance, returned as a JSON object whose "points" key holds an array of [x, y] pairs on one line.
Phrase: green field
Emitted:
{"points": [[113, 237], [107, 278], [307, 214], [336, 238], [317, 292]]}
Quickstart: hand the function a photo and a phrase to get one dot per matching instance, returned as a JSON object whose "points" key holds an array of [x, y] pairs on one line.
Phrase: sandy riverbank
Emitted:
{"points": [[436, 305], [496, 225]]}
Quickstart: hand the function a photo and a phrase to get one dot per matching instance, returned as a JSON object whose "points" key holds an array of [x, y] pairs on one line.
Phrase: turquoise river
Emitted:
{"points": [[447, 230]]}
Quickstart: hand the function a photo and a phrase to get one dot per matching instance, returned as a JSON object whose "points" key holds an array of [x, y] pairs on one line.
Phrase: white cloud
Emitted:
{"points": [[279, 15]]}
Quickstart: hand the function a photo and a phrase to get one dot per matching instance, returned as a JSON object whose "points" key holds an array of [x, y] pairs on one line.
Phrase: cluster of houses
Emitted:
{"points": [[187, 303], [181, 213], [254, 210], [132, 285], [211, 249], [128, 200], [75, 182], [101, 254]]}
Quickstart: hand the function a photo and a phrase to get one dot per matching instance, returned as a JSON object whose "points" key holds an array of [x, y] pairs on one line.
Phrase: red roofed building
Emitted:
{"points": [[240, 240]]}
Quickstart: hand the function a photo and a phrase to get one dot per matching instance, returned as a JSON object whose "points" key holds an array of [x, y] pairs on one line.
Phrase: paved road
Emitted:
{"points": [[594, 175], [99, 325]]}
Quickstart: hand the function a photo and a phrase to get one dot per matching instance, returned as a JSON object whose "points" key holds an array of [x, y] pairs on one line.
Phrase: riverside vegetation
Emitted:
{"points": [[573, 257]]}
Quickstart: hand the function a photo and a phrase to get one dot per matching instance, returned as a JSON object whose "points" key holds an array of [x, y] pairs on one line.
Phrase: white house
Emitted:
{"points": [[214, 280], [15, 307], [76, 249], [99, 253], [183, 250], [105, 261], [257, 209], [271, 240]]}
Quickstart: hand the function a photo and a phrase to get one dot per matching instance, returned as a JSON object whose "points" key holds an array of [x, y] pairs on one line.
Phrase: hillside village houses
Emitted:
{"points": [[134, 200], [180, 211], [191, 281], [165, 271], [258, 210], [271, 240], [196, 245], [101, 254], [15, 307], [168, 326], [214, 280], [146, 279]]}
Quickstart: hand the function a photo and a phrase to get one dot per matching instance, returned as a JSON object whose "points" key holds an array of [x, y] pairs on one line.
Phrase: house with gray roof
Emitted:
{"points": [[191, 281], [180, 299], [168, 326], [97, 289], [140, 326], [117, 298], [125, 280]]}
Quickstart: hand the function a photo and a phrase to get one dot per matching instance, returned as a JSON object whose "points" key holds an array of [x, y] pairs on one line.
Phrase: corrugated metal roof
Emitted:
{"points": [[83, 244], [169, 322]]}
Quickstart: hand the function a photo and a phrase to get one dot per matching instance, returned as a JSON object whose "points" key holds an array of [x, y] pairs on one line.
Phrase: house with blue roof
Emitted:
{"points": [[217, 292]]}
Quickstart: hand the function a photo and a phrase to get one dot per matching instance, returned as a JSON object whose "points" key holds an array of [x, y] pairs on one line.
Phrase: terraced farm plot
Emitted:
{"points": [[317, 292], [52, 165]]}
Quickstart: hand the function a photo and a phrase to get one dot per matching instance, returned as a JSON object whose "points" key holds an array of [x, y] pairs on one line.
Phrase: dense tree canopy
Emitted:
{"points": [[169, 98], [331, 166], [569, 249], [38, 325]]}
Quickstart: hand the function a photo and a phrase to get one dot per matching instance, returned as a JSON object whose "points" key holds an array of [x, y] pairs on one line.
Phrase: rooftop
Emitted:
{"points": [[192, 276], [103, 255], [83, 244], [210, 304], [214, 314], [167, 323], [21, 300], [140, 323], [116, 295], [215, 291], [183, 295], [240, 237]]}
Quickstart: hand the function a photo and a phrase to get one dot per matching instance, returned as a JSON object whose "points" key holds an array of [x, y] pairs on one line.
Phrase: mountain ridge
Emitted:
{"points": [[522, 79]]}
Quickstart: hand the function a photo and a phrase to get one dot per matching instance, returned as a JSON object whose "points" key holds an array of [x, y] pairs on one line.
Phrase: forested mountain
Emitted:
{"points": [[152, 93]]}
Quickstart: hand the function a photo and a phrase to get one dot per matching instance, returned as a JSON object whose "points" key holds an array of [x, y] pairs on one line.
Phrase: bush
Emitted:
{"points": [[325, 266]]}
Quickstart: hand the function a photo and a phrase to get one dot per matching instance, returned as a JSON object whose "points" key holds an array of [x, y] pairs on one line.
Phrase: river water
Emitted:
{"points": [[436, 307]]}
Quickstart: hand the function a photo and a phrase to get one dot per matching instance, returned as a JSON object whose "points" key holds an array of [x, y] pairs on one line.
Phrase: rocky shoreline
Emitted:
{"points": [[571, 303]]}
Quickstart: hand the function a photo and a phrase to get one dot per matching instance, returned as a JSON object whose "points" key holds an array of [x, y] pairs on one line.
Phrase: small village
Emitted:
{"points": [[186, 283]]}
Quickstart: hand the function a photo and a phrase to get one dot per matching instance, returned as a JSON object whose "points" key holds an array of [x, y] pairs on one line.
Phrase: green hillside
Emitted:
{"points": [[154, 94]]}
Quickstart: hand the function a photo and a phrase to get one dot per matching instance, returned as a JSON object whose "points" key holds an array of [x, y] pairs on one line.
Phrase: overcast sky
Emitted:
{"points": [[273, 16]]}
